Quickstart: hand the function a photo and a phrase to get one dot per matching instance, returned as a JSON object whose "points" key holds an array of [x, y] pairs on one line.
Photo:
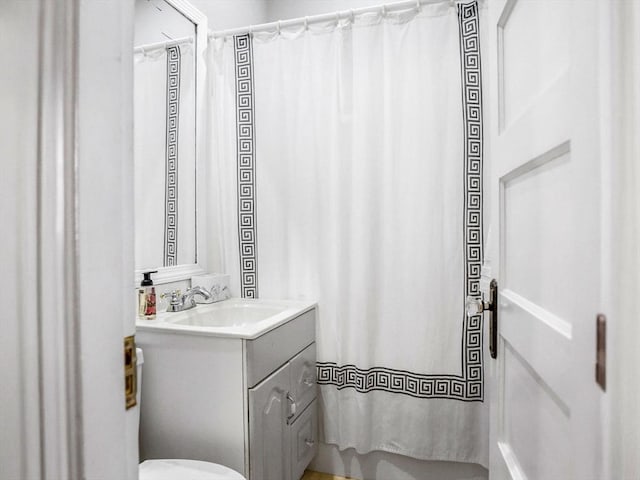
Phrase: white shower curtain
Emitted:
{"points": [[348, 164], [164, 149]]}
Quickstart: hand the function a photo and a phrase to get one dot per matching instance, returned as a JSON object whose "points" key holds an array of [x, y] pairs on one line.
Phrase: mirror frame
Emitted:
{"points": [[186, 271]]}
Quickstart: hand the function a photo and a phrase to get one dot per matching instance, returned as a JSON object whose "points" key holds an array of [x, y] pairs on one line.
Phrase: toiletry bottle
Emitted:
{"points": [[147, 297]]}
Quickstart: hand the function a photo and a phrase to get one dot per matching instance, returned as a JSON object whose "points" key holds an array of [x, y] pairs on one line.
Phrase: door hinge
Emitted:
{"points": [[601, 351], [130, 372]]}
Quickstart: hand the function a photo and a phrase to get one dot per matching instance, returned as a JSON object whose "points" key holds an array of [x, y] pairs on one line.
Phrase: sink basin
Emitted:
{"points": [[236, 317], [229, 314]]}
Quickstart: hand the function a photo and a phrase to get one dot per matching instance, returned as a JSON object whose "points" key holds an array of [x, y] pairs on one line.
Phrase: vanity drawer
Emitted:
{"points": [[303, 378], [303, 440], [273, 349]]}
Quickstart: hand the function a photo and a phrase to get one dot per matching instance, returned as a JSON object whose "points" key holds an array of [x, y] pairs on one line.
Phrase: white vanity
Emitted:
{"points": [[232, 383]]}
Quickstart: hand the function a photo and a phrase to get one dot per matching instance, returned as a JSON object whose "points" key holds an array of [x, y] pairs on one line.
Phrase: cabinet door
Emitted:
{"points": [[303, 379], [304, 440], [269, 444]]}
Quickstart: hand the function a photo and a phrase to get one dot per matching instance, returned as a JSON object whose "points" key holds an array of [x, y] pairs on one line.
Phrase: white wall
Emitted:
{"points": [[226, 14], [157, 21], [285, 9]]}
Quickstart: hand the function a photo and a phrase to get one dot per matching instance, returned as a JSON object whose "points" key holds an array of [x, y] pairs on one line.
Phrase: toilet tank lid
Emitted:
{"points": [[139, 356]]}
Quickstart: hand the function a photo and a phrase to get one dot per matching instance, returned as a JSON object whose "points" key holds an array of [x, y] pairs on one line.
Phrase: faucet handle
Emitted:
{"points": [[173, 293], [176, 298]]}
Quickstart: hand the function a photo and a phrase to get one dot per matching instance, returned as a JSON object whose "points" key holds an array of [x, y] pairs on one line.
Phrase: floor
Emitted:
{"points": [[309, 475]]}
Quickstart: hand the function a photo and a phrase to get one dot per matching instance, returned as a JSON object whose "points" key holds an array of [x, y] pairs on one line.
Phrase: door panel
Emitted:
{"points": [[533, 414], [539, 227], [525, 23], [304, 440], [268, 430], [534, 332], [546, 191]]}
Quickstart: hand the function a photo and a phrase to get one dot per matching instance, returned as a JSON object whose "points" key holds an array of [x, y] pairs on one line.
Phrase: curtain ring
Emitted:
{"points": [[306, 23], [353, 16], [250, 30], [384, 10], [279, 32], [337, 19]]}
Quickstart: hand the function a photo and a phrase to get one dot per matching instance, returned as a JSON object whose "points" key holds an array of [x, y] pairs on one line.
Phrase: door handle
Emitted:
{"points": [[292, 406], [476, 306]]}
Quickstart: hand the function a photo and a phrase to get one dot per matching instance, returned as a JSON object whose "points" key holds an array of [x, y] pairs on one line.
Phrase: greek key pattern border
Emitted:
{"points": [[469, 386], [246, 166], [171, 157], [451, 387]]}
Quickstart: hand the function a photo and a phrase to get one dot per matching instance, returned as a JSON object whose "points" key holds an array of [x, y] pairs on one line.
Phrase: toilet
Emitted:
{"points": [[185, 469], [172, 469]]}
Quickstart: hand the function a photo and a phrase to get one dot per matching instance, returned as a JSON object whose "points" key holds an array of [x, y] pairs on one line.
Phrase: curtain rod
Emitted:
{"points": [[167, 43], [390, 7]]}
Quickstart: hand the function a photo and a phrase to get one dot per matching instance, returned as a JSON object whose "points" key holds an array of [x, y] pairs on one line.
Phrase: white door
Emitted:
{"points": [[546, 196], [65, 185]]}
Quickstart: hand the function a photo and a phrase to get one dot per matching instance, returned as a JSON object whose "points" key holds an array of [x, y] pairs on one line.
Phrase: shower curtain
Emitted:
{"points": [[164, 149], [348, 165]]}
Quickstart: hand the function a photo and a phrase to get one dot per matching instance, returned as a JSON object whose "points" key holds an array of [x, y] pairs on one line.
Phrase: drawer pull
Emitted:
{"points": [[310, 443], [292, 405]]}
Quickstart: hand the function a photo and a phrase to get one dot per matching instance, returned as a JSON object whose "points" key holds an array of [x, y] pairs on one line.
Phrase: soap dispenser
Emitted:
{"points": [[147, 297]]}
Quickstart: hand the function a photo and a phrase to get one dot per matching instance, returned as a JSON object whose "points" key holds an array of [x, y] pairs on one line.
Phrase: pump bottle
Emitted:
{"points": [[147, 297]]}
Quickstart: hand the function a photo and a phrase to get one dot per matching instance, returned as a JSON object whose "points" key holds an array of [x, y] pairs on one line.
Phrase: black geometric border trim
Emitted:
{"points": [[246, 166], [469, 386], [171, 157], [472, 339], [451, 387]]}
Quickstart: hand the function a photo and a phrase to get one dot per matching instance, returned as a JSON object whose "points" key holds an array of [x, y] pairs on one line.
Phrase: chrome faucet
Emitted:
{"points": [[181, 302]]}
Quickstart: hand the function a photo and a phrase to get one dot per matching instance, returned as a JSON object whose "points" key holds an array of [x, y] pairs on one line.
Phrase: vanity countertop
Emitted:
{"points": [[235, 318]]}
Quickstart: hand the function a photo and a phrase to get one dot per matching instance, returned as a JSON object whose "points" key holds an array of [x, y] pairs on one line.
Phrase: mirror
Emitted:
{"points": [[170, 37]]}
